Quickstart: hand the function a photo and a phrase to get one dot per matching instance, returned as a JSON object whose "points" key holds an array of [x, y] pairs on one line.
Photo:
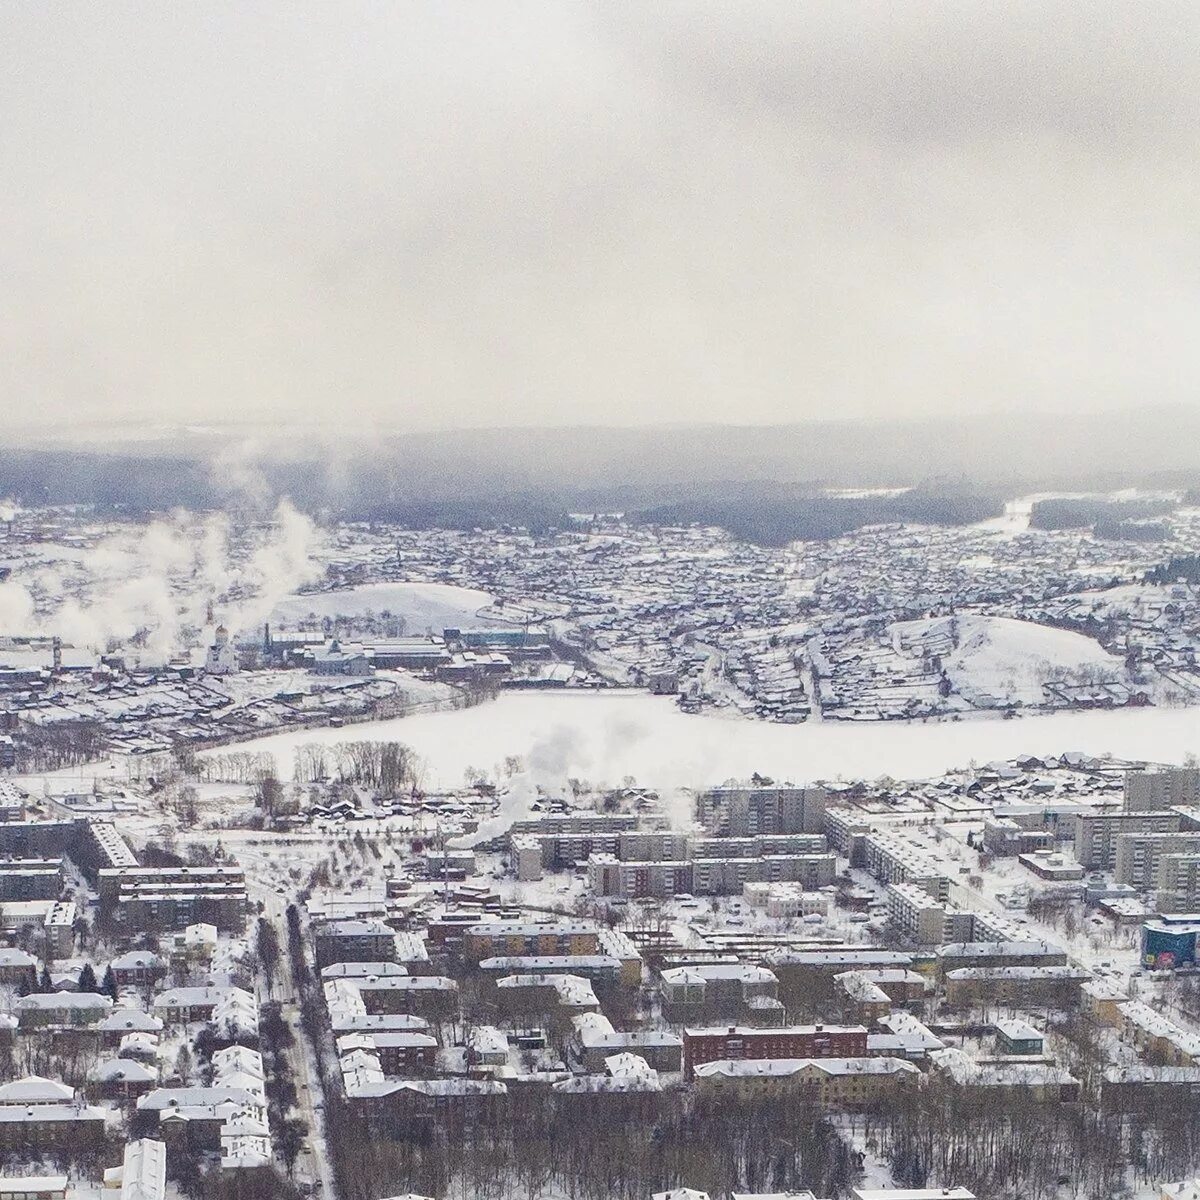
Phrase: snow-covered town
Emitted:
{"points": [[201, 631], [599, 601], [320, 978], [258, 932]]}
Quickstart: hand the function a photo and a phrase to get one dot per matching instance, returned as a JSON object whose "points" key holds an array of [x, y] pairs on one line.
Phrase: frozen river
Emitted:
{"points": [[603, 737]]}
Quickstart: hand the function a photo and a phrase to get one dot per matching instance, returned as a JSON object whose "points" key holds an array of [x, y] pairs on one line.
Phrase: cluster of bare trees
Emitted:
{"points": [[597, 1147], [387, 767], [1004, 1141], [63, 744], [235, 766]]}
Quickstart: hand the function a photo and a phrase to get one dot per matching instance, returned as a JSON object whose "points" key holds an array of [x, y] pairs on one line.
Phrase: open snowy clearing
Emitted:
{"points": [[424, 606], [603, 737], [1008, 659]]}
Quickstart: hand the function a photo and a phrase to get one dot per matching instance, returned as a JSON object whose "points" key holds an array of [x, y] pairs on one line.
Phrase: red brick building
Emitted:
{"points": [[793, 1041]]}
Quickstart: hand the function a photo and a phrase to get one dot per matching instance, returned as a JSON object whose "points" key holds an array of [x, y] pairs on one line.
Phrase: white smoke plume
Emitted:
{"points": [[278, 565], [150, 587], [549, 764], [16, 606], [235, 469], [565, 753]]}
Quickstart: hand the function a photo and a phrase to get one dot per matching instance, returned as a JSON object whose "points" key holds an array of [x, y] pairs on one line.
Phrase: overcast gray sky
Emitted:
{"points": [[434, 215]]}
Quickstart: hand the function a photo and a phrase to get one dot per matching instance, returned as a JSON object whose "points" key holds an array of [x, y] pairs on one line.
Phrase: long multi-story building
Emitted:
{"points": [[368, 940], [652, 845], [1158, 790], [757, 845], [1096, 833], [608, 876], [36, 839], [492, 939], [575, 841], [574, 837], [30, 878], [893, 859], [172, 898], [1138, 855], [114, 883], [91, 845], [710, 991], [793, 1041], [847, 830], [741, 811], [728, 876], [955, 955], [1054, 985], [103, 848]]}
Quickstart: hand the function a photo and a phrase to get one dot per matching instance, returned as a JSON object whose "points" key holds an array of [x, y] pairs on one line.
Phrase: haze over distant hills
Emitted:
{"points": [[1050, 447], [516, 475]]}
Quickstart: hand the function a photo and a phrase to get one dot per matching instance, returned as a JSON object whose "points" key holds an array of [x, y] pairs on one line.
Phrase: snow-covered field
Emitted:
{"points": [[424, 606], [1008, 659], [603, 737]]}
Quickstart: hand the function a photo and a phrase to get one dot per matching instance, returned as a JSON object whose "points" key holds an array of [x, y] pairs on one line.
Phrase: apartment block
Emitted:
{"points": [[1138, 854], [608, 876], [728, 876], [956, 955], [893, 859], [570, 838], [492, 939], [755, 846], [526, 852], [847, 830], [916, 916], [1096, 833], [795, 1041], [172, 898], [652, 846], [723, 876], [1156, 790], [742, 811], [30, 878], [1177, 881], [355, 941]]}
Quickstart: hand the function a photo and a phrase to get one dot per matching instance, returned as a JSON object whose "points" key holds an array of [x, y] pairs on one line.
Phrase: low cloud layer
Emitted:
{"points": [[401, 216]]}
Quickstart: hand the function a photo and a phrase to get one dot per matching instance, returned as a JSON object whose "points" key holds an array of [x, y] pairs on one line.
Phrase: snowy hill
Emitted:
{"points": [[1004, 660], [432, 606]]}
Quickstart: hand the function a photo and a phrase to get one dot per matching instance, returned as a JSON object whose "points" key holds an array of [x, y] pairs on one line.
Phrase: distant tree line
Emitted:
{"points": [[1066, 512], [234, 766], [1131, 531], [774, 516], [420, 496]]}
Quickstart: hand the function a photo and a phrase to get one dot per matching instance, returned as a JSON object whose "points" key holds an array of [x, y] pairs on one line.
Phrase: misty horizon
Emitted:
{"points": [[465, 217]]}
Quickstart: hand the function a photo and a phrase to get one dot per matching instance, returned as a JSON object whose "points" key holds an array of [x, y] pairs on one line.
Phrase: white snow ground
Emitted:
{"points": [[1007, 659], [605, 736], [424, 606]]}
